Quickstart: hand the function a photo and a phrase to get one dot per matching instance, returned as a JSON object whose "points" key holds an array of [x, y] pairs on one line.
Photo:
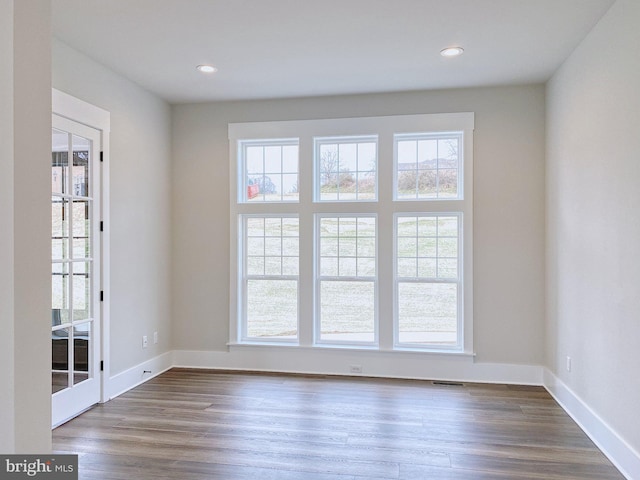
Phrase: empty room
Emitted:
{"points": [[346, 240]]}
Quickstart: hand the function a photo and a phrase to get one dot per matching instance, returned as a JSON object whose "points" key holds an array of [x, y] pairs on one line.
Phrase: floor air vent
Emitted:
{"points": [[448, 384]]}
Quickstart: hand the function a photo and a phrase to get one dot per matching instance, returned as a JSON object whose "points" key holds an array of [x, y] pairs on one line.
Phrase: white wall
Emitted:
{"points": [[7, 404], [140, 193], [509, 209], [593, 221], [25, 248]]}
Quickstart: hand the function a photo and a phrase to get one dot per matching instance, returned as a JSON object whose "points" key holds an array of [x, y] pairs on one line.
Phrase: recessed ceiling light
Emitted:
{"points": [[452, 51], [206, 68]]}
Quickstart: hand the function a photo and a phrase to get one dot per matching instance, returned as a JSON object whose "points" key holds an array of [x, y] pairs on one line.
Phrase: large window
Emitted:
{"points": [[353, 233]]}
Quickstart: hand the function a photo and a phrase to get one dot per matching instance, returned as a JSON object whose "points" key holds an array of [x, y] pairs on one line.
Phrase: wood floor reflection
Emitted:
{"points": [[194, 424]]}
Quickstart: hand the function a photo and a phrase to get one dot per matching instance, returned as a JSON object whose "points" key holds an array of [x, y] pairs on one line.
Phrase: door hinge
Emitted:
{"points": [[102, 156], [102, 295], [102, 365], [101, 226]]}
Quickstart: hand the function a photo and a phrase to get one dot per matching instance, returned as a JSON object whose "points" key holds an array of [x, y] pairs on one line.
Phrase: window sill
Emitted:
{"points": [[352, 348]]}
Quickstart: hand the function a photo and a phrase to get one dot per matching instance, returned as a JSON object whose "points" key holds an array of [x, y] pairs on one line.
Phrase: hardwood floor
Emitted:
{"points": [[194, 424]]}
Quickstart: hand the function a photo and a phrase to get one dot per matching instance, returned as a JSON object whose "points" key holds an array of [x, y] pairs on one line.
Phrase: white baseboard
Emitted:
{"points": [[621, 454], [336, 361], [134, 376]]}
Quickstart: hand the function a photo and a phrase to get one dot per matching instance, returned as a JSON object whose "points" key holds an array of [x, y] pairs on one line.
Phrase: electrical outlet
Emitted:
{"points": [[568, 364], [145, 341], [355, 368], [155, 337]]}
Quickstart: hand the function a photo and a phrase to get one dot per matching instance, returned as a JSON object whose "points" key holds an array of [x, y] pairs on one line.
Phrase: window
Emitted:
{"points": [[346, 280], [427, 279], [346, 168], [427, 166], [269, 171], [353, 233], [270, 278]]}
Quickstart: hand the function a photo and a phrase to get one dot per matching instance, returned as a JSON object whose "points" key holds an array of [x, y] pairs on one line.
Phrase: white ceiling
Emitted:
{"points": [[292, 48]]}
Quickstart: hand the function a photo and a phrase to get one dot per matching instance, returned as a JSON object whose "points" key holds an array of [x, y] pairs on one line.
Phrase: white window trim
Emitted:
{"points": [[385, 127]]}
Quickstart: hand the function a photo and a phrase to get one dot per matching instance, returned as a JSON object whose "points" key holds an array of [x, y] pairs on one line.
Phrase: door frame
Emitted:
{"points": [[72, 108]]}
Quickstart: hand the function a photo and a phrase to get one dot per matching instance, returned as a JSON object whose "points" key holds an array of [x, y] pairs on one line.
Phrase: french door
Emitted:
{"points": [[75, 268]]}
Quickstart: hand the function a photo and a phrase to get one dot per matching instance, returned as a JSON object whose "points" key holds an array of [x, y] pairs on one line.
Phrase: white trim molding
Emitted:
{"points": [[371, 363], [138, 374], [617, 450]]}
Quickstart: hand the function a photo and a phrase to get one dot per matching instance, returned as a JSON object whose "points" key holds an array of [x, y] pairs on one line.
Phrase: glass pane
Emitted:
{"points": [[448, 268], [427, 267], [366, 267], [427, 313], [347, 311], [255, 227], [407, 226], [290, 187], [273, 227], [59, 293], [427, 247], [406, 247], [255, 266], [427, 154], [290, 265], [59, 360], [447, 183], [255, 246], [81, 354], [59, 161], [81, 147], [447, 247], [407, 181], [366, 185], [272, 266], [254, 160], [290, 227], [81, 228], [290, 159], [273, 246], [329, 266], [406, 267], [427, 186], [272, 309], [347, 157], [347, 247], [366, 246], [81, 290], [59, 228], [273, 159], [347, 267]]}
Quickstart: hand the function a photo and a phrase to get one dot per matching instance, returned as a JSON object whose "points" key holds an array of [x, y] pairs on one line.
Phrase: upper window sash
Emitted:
{"points": [[268, 171], [346, 168], [428, 166]]}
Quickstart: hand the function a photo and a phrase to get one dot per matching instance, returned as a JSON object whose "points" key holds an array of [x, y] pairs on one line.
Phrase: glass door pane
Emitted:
{"points": [[72, 262]]}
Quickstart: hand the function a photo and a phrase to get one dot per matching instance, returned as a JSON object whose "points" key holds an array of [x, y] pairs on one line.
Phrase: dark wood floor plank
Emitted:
{"points": [[197, 424]]}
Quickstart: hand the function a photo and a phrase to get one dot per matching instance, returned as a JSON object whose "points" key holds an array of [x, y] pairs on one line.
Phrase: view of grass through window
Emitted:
{"points": [[427, 276]]}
